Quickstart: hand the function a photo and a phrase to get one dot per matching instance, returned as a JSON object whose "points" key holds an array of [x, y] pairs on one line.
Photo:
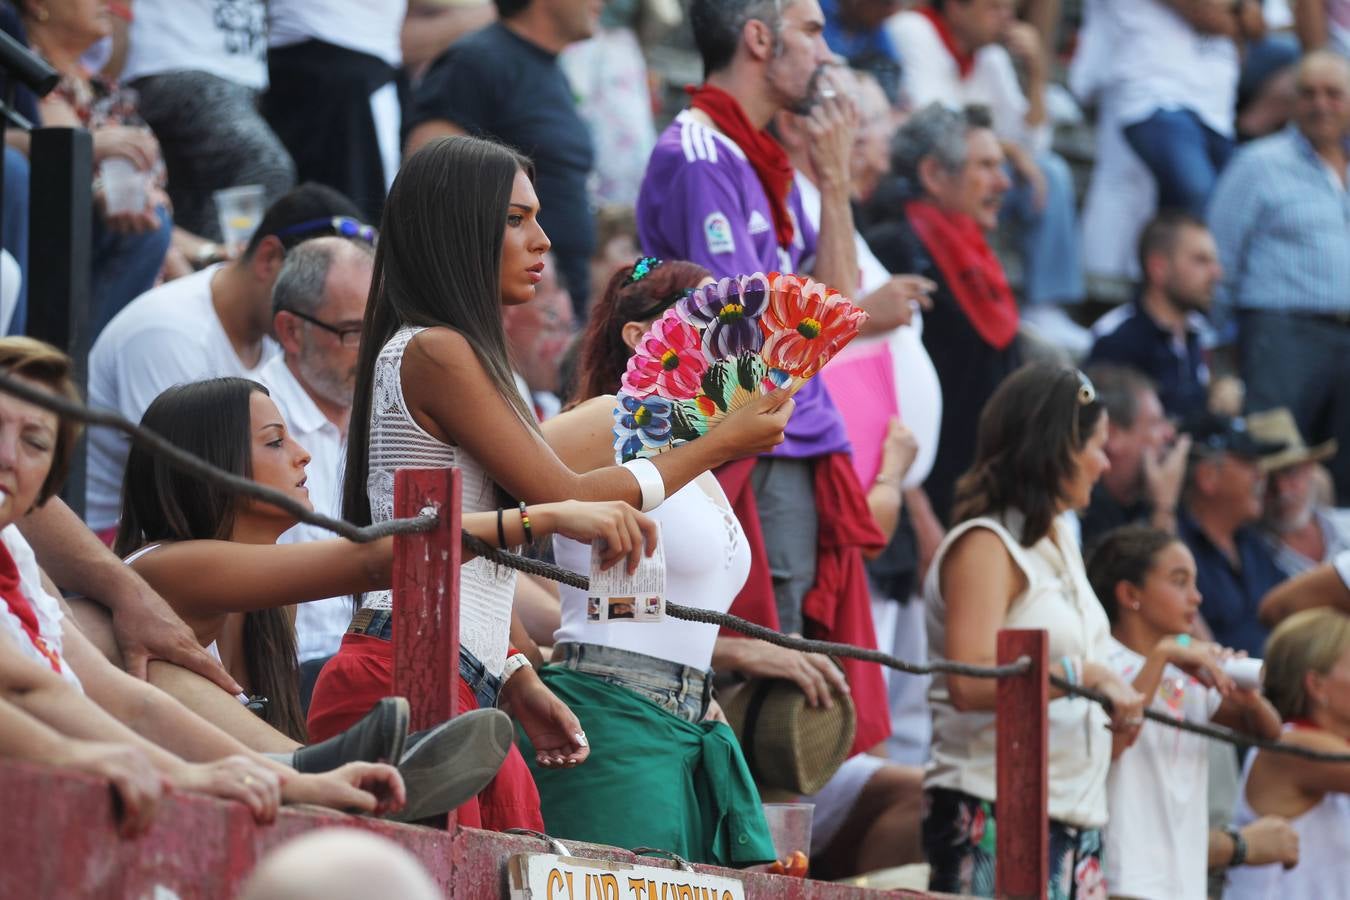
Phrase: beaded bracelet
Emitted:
{"points": [[525, 524]]}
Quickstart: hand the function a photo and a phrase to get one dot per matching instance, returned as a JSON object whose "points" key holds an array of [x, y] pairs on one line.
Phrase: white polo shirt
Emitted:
{"points": [[319, 624]]}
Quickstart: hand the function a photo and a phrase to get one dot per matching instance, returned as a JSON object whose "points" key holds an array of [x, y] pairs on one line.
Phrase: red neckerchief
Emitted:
{"points": [[1301, 723], [13, 596], [970, 268], [965, 62], [766, 155], [838, 607]]}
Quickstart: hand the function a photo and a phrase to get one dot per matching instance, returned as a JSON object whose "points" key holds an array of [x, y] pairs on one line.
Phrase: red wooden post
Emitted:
{"points": [[1023, 842], [426, 597]]}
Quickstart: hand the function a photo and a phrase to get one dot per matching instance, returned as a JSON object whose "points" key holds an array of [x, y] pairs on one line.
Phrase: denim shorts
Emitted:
{"points": [[379, 623], [679, 690]]}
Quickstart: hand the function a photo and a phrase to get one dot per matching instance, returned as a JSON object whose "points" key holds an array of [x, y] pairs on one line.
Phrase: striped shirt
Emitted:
{"points": [[1281, 219]]}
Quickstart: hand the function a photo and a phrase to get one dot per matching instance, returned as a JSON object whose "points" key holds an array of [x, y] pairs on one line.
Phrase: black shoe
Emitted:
{"points": [[447, 765], [379, 737]]}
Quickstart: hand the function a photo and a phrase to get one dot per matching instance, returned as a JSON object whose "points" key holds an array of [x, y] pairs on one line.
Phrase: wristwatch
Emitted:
{"points": [[1239, 847]]}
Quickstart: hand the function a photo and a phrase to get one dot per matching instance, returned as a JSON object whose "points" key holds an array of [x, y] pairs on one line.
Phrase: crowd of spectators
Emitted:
{"points": [[471, 213]]}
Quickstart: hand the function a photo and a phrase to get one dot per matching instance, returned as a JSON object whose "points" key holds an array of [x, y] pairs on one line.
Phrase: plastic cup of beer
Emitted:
{"points": [[240, 209], [125, 187]]}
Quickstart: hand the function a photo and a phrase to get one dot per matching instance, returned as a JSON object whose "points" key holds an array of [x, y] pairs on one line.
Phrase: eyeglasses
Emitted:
{"points": [[342, 226], [1087, 392], [348, 337]]}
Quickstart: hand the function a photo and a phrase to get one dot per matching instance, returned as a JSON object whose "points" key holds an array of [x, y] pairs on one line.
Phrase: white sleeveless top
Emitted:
{"points": [[398, 442], [1060, 600], [1323, 869], [46, 609], [707, 562]]}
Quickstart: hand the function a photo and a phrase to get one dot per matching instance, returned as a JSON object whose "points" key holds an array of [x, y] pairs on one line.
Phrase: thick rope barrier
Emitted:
{"points": [[1213, 732], [194, 465]]}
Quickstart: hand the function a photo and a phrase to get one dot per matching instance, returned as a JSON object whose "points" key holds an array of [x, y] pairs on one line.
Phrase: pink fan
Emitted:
{"points": [[722, 346]]}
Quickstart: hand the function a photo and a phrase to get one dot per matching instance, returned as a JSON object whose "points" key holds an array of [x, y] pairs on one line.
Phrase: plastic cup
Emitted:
{"points": [[1245, 672], [790, 828], [239, 209], [125, 187]]}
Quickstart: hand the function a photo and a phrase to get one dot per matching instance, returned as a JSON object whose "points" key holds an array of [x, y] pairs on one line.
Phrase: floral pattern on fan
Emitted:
{"points": [[719, 348]]}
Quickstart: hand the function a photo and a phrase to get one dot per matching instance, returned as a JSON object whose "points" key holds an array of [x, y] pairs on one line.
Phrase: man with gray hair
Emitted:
{"points": [[949, 182], [319, 303]]}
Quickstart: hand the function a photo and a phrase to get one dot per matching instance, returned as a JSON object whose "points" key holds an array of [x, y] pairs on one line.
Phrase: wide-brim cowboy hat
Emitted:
{"points": [[1278, 426]]}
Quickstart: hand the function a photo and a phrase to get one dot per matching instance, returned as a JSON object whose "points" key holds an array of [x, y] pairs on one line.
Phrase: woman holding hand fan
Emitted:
{"points": [[681, 351], [460, 240]]}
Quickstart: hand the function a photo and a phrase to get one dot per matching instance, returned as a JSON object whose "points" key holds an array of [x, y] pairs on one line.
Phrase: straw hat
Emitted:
{"points": [[1278, 426], [791, 748]]}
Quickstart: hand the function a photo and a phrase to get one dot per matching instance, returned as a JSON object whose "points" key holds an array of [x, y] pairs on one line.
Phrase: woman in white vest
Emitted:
{"points": [[1010, 562]]}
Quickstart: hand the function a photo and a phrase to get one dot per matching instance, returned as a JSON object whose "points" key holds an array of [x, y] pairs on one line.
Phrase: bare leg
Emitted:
{"points": [[883, 828], [219, 708]]}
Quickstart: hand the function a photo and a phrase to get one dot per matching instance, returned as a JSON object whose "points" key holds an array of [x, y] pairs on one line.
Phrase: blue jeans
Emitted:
{"points": [[125, 266], [1184, 154], [1050, 243], [14, 222], [679, 690], [485, 686]]}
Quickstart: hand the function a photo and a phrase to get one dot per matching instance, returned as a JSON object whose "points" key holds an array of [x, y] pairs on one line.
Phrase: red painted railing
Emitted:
{"points": [[59, 829]]}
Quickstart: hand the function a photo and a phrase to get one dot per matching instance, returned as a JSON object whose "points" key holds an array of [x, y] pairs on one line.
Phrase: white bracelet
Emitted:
{"points": [[514, 663], [650, 482]]}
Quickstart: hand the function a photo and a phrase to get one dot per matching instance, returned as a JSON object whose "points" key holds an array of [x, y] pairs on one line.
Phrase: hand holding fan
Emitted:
{"points": [[719, 348]]}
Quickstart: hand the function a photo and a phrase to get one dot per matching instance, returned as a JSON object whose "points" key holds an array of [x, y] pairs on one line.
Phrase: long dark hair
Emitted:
{"points": [[604, 355], [1034, 423], [438, 263], [211, 420]]}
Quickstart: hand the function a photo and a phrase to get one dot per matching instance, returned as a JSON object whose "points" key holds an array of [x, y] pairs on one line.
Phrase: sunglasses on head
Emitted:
{"points": [[341, 226], [1087, 392]]}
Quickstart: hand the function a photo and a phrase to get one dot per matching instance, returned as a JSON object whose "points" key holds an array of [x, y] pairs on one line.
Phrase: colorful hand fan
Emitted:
{"points": [[719, 348]]}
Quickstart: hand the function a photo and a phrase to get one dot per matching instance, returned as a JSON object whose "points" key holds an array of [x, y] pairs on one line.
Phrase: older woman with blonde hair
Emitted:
{"points": [[1307, 679]]}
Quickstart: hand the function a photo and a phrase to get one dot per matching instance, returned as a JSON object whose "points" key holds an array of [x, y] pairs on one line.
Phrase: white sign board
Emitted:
{"points": [[544, 876]]}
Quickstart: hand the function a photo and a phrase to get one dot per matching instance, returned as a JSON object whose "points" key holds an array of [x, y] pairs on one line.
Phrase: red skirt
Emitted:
{"points": [[360, 674]]}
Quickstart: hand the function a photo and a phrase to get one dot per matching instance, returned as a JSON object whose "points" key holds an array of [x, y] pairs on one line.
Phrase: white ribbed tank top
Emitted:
{"points": [[398, 442]]}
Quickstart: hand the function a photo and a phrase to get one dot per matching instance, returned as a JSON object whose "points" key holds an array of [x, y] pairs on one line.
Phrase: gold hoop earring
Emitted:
{"points": [[42, 14]]}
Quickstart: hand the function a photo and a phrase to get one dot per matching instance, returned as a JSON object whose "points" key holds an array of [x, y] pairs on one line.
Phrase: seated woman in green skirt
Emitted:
{"points": [[666, 771]]}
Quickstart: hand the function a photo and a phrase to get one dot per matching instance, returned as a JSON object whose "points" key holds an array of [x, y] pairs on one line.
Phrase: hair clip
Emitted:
{"points": [[641, 269], [1087, 393]]}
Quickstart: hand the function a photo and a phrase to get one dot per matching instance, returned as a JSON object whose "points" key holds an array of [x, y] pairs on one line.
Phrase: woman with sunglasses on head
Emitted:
{"points": [[1011, 562], [459, 240]]}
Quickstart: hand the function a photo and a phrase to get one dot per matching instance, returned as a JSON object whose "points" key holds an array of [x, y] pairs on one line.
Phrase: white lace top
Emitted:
{"points": [[398, 442]]}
